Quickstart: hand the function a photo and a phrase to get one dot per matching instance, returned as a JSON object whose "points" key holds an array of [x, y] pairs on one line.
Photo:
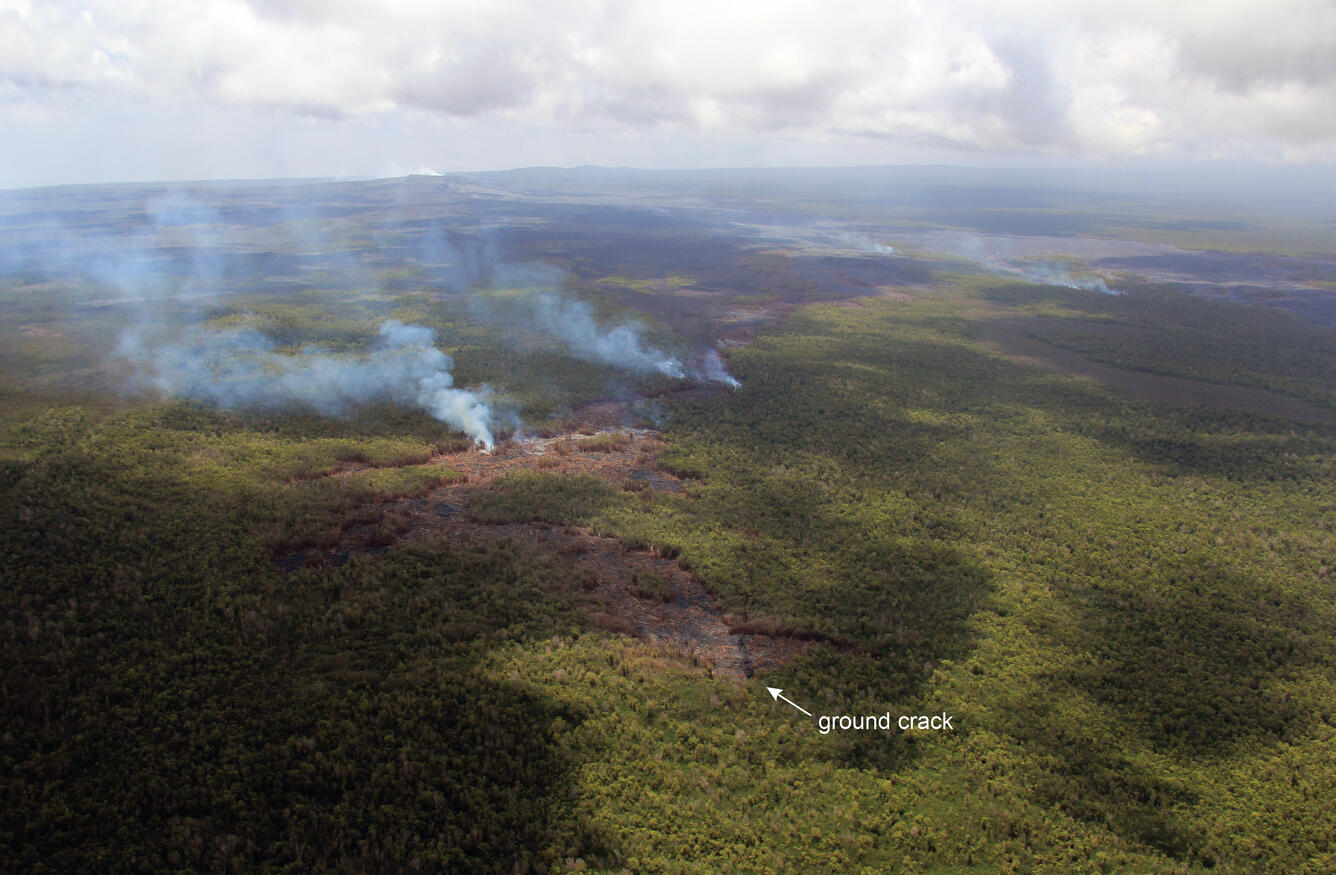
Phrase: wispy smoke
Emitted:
{"points": [[163, 260], [862, 243], [163, 248], [824, 237], [1055, 275], [1000, 255], [712, 370], [573, 323], [239, 368]]}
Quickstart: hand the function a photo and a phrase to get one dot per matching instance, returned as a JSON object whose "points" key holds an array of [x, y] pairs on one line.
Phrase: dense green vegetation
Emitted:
{"points": [[536, 497], [1126, 606], [1167, 333], [171, 701], [1127, 603]]}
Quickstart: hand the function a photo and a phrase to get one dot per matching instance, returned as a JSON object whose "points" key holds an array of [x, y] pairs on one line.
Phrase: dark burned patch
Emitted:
{"points": [[638, 592], [656, 481], [331, 558], [1276, 271], [646, 595]]}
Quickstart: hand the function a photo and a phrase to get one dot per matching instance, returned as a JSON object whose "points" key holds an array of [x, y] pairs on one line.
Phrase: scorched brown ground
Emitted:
{"points": [[684, 619]]}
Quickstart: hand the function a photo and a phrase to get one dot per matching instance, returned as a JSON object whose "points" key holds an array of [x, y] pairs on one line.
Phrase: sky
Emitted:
{"points": [[135, 90]]}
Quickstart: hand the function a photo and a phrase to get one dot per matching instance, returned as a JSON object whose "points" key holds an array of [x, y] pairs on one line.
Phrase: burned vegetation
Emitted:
{"points": [[547, 495], [507, 595]]}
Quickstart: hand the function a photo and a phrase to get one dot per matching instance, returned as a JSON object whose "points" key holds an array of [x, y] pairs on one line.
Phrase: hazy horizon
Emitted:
{"points": [[1284, 186]]}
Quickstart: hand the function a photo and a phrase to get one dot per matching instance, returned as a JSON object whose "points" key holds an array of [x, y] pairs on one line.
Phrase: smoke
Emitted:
{"points": [[152, 262], [861, 243], [1007, 256], [712, 370], [819, 237], [574, 324], [162, 245], [239, 368], [1055, 275], [192, 232], [621, 346]]}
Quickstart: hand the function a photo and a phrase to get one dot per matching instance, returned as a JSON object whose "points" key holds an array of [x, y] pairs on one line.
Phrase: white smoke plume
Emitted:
{"points": [[1010, 256], [240, 368], [1054, 275], [712, 370], [861, 243], [572, 322]]}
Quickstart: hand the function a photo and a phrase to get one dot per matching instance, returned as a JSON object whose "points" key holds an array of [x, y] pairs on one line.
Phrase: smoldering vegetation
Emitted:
{"points": [[574, 325], [1002, 256], [1050, 274], [1046, 261], [610, 282], [1125, 604], [712, 370], [159, 283], [240, 368]]}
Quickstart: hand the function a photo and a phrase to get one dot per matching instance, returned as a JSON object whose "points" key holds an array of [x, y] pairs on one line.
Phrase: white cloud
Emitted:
{"points": [[1224, 77]]}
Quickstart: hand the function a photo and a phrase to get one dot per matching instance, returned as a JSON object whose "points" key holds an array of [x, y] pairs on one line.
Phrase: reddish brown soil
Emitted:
{"points": [[681, 617]]}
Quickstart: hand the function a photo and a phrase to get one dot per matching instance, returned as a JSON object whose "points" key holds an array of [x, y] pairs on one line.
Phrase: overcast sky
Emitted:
{"points": [[115, 90]]}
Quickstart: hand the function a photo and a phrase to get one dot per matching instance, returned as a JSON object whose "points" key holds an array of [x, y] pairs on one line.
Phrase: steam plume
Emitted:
{"points": [[239, 368]]}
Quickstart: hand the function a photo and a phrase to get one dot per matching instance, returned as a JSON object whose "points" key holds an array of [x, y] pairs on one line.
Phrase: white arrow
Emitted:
{"points": [[774, 691]]}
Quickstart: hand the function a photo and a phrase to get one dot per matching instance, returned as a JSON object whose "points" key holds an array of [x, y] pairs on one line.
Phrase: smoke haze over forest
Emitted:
{"points": [[522, 396]]}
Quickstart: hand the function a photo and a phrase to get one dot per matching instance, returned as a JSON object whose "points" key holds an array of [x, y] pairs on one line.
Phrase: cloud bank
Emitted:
{"points": [[1219, 79]]}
